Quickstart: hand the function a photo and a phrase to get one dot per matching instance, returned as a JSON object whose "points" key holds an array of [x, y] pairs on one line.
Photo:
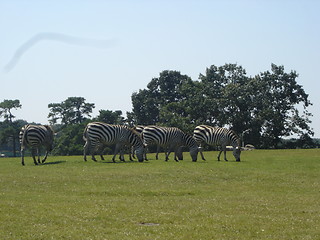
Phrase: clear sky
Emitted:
{"points": [[106, 50]]}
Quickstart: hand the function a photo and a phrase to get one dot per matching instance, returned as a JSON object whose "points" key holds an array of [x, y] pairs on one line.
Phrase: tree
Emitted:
{"points": [[10, 132], [165, 89], [71, 111], [111, 117], [6, 107], [69, 140], [263, 107], [276, 100]]}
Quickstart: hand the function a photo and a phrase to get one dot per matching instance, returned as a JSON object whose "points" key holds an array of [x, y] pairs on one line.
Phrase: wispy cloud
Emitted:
{"points": [[86, 42]]}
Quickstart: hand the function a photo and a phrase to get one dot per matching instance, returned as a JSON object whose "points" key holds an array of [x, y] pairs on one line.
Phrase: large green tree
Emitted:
{"points": [[165, 89], [265, 107], [10, 129], [71, 111], [111, 117], [276, 100]]}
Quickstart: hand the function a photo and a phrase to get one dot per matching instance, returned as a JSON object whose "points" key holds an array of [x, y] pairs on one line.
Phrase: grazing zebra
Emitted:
{"points": [[98, 133], [172, 138], [35, 136], [139, 130], [218, 136]]}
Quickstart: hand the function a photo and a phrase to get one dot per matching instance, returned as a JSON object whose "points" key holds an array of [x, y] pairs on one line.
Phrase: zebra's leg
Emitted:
{"points": [[100, 149], [93, 157], [176, 158], [132, 153], [38, 153], [179, 154], [225, 154], [121, 154], [158, 150], [85, 149], [201, 153], [93, 149], [145, 154], [116, 150], [219, 155], [22, 156], [167, 155], [45, 157], [33, 152]]}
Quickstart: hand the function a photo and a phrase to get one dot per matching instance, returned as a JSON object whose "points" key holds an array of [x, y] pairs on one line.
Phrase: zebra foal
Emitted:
{"points": [[172, 139], [35, 136], [97, 133], [218, 136]]}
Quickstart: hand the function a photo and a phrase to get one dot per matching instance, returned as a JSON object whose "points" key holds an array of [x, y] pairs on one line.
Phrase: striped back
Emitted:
{"points": [[161, 135], [35, 136], [138, 129]]}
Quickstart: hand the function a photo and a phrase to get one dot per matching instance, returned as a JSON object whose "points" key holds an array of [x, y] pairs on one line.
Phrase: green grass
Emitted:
{"points": [[271, 194]]}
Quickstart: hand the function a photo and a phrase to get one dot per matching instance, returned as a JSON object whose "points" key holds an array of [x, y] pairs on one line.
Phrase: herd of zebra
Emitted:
{"points": [[98, 134]]}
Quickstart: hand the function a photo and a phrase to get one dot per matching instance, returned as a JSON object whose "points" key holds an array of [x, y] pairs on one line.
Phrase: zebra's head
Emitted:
{"points": [[139, 153], [236, 153], [194, 153]]}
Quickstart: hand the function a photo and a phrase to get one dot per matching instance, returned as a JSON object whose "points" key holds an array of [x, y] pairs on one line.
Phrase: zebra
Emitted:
{"points": [[35, 136], [172, 138], [218, 136], [97, 133], [138, 129]]}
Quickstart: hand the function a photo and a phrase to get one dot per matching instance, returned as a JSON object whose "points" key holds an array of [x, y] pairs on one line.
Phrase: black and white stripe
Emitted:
{"points": [[35, 136], [98, 133], [218, 136], [138, 129], [172, 139]]}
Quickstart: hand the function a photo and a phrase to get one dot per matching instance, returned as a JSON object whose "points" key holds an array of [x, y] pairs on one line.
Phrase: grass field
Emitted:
{"points": [[271, 194]]}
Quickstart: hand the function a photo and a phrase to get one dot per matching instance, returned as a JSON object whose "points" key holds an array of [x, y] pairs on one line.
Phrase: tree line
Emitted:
{"points": [[262, 109]]}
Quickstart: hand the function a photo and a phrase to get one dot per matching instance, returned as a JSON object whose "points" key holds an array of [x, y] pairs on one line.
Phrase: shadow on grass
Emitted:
{"points": [[53, 163], [119, 162]]}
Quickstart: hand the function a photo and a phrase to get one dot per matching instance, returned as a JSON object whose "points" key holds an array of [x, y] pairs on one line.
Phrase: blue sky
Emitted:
{"points": [[106, 50]]}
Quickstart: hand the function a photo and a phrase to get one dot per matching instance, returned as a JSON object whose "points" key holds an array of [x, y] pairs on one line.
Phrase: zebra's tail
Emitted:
{"points": [[85, 134]]}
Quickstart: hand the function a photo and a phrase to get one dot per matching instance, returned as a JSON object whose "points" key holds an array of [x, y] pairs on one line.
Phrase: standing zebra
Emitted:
{"points": [[172, 138], [97, 133], [35, 136], [218, 136]]}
